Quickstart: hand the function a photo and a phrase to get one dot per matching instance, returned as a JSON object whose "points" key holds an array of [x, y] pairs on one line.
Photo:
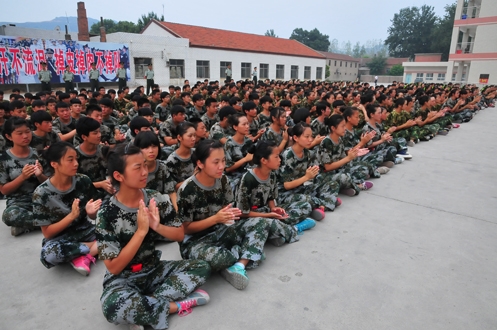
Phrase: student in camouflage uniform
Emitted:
{"points": [[353, 138], [399, 142], [405, 126], [212, 230], [139, 288], [236, 149], [106, 135], [277, 132], [303, 191], [64, 125], [456, 106], [61, 207], [91, 157], [163, 110], [20, 174], [221, 130], [258, 191], [120, 102], [43, 136], [428, 119], [159, 177], [167, 129], [340, 165], [180, 164], [264, 116], [250, 110], [210, 116], [318, 125]]}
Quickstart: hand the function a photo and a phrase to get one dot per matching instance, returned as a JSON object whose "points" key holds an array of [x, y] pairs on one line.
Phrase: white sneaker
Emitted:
{"points": [[405, 156], [136, 327]]}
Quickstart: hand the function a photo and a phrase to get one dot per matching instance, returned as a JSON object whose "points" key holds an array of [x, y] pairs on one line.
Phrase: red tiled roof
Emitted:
{"points": [[231, 40], [340, 57]]}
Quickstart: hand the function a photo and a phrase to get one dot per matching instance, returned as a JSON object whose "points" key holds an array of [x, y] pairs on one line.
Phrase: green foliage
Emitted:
{"points": [[442, 32], [418, 30], [377, 65], [270, 33], [144, 19], [397, 70], [313, 39], [327, 72]]}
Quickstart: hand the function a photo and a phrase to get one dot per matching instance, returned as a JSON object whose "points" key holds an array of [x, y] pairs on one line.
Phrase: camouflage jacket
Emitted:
{"points": [[255, 192], [160, 179], [179, 168]]}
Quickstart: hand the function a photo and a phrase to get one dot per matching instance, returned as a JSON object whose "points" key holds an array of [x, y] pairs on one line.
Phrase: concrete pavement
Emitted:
{"points": [[418, 251]]}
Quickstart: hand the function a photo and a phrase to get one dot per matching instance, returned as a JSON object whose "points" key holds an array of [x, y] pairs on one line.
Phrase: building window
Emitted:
{"points": [[340, 63], [463, 77], [141, 65], [294, 72], [203, 69], [346, 64], [429, 76], [246, 70], [441, 77], [335, 63], [453, 77], [280, 71], [307, 72], [419, 75], [356, 64], [176, 69], [263, 71], [223, 66], [319, 73]]}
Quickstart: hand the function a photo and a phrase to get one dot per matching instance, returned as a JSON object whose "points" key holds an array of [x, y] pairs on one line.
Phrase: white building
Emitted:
{"points": [[178, 52], [473, 49]]}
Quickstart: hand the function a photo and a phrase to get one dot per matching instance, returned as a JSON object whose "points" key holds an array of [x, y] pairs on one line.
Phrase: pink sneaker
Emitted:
{"points": [[196, 298], [456, 125], [339, 202], [367, 185], [82, 264]]}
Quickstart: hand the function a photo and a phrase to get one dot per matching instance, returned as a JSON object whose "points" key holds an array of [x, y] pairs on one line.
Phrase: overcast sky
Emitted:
{"points": [[358, 20]]}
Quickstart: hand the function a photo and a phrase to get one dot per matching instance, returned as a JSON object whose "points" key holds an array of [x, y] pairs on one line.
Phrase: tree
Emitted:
{"points": [[314, 39], [396, 70], [327, 71], [111, 26], [270, 33], [442, 32], [144, 19], [411, 31], [377, 64], [333, 48]]}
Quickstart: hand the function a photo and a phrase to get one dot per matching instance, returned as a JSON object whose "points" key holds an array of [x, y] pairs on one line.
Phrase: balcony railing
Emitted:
{"points": [[470, 12], [464, 47]]}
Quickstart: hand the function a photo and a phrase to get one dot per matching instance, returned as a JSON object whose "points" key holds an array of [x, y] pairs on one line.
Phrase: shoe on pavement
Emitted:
{"points": [[196, 298], [399, 159], [410, 143], [348, 191], [136, 327], [388, 164], [277, 241], [442, 132], [16, 231], [367, 185], [305, 224], [406, 156], [317, 214], [339, 202], [82, 264], [236, 276], [383, 170]]}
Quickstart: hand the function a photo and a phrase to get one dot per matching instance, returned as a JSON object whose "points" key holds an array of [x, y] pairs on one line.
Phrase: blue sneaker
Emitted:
{"points": [[399, 160], [305, 225], [236, 276]]}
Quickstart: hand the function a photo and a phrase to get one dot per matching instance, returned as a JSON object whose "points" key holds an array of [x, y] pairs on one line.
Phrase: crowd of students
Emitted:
{"points": [[219, 169]]}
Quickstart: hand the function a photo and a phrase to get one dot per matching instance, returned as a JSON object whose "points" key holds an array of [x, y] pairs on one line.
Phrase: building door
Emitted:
{"points": [[408, 78]]}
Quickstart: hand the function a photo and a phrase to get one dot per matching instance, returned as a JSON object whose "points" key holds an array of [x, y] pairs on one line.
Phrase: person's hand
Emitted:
{"points": [[312, 172], [352, 153], [92, 207], [285, 134], [392, 129], [261, 131], [27, 171], [362, 152], [385, 137], [278, 213], [153, 215], [319, 138], [107, 186], [142, 219], [227, 215], [75, 209], [38, 168]]}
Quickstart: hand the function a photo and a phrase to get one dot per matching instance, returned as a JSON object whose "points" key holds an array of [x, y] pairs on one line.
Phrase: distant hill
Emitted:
{"points": [[71, 22]]}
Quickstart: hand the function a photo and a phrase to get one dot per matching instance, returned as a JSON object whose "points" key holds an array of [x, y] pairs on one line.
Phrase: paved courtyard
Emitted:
{"points": [[418, 251]]}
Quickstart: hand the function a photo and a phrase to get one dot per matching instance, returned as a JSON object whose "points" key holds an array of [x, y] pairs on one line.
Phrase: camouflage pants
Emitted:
{"points": [[444, 121], [429, 129], [371, 160], [234, 178], [464, 116], [61, 250], [322, 191], [399, 143], [344, 180], [222, 248], [387, 151], [279, 228], [143, 298], [359, 171], [18, 215]]}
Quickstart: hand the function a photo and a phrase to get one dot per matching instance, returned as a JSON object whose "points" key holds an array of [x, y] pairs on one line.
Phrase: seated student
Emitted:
{"points": [[250, 111], [38, 105], [265, 115], [277, 132], [287, 106], [338, 164], [42, 136], [106, 135], [353, 138], [18, 109], [455, 106], [213, 230], [221, 130], [236, 149], [91, 157], [337, 106], [427, 119], [318, 126], [137, 125], [51, 103], [148, 114], [163, 109], [167, 128], [382, 142], [64, 125], [61, 207], [76, 108], [108, 120], [258, 192], [303, 191], [20, 174], [201, 132], [405, 127], [197, 110], [159, 177], [140, 289], [180, 164], [303, 115], [210, 116], [399, 142]]}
